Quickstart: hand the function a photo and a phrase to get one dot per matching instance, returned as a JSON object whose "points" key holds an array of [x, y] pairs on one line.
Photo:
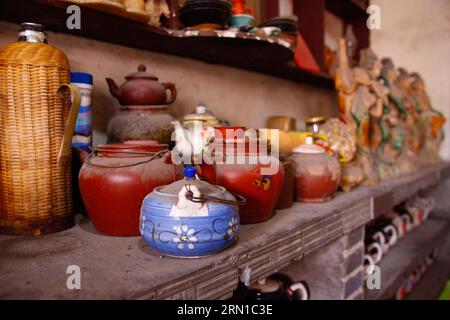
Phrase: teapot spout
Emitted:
{"points": [[113, 88]]}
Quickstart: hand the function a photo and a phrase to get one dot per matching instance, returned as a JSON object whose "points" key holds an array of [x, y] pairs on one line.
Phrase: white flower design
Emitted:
{"points": [[232, 228], [185, 236], [142, 224]]}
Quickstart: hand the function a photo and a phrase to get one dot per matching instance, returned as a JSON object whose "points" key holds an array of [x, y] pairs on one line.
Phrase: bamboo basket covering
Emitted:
{"points": [[35, 189]]}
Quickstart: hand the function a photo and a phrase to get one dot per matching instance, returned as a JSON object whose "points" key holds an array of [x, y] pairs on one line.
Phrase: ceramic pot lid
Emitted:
{"points": [[200, 114], [141, 74], [309, 147], [205, 188], [315, 120], [130, 149]]}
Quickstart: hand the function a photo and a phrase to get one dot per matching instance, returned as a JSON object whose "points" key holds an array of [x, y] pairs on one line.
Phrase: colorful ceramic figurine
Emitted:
{"points": [[413, 140], [430, 121], [356, 103], [390, 112], [342, 140], [392, 123], [370, 62]]}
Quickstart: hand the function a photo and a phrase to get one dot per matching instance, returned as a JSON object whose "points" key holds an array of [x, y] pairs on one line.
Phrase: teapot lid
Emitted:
{"points": [[141, 74], [309, 147], [191, 179], [200, 114]]}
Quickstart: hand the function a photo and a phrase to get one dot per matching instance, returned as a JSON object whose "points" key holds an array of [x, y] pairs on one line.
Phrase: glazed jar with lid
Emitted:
{"points": [[115, 179], [258, 177], [190, 217], [200, 128], [201, 115], [317, 174]]}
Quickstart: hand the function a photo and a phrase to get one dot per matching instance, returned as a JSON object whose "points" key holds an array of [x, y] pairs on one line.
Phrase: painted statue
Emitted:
{"points": [[430, 121], [357, 101], [412, 131], [391, 123], [388, 109]]}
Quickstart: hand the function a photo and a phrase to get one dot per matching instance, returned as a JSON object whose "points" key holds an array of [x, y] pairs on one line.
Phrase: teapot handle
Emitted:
{"points": [[64, 156], [173, 91], [300, 286]]}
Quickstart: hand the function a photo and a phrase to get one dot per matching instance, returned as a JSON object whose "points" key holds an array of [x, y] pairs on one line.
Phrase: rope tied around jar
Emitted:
{"points": [[202, 198], [153, 156]]}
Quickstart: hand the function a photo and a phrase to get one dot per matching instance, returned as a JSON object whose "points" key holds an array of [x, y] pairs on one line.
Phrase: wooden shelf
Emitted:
{"points": [[248, 53], [406, 255], [126, 268], [347, 9]]}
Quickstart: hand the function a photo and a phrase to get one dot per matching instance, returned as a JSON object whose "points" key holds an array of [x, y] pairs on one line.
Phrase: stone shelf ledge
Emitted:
{"points": [[126, 268], [406, 255]]}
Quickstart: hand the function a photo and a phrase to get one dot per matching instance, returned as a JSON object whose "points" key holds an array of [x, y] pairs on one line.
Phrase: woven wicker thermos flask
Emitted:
{"points": [[37, 122]]}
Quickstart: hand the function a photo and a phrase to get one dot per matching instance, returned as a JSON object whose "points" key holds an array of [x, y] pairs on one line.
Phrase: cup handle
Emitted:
{"points": [[379, 252], [65, 151], [398, 223], [173, 91], [379, 237], [300, 287], [370, 264], [393, 231]]}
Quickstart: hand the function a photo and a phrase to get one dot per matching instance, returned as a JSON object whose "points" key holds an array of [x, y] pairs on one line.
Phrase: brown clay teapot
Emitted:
{"points": [[142, 88]]}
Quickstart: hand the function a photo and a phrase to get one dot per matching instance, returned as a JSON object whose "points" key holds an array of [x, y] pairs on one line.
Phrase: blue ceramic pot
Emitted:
{"points": [[241, 20], [188, 232]]}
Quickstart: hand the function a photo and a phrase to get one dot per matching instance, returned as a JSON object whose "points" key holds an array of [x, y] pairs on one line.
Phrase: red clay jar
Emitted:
{"points": [[115, 179], [286, 199], [317, 174], [261, 190], [225, 132]]}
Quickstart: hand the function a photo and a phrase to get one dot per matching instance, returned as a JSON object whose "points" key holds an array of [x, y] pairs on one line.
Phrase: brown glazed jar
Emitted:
{"points": [[317, 174]]}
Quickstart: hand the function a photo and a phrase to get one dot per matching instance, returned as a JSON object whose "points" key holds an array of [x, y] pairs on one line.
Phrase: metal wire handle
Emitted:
{"points": [[153, 155], [202, 199]]}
